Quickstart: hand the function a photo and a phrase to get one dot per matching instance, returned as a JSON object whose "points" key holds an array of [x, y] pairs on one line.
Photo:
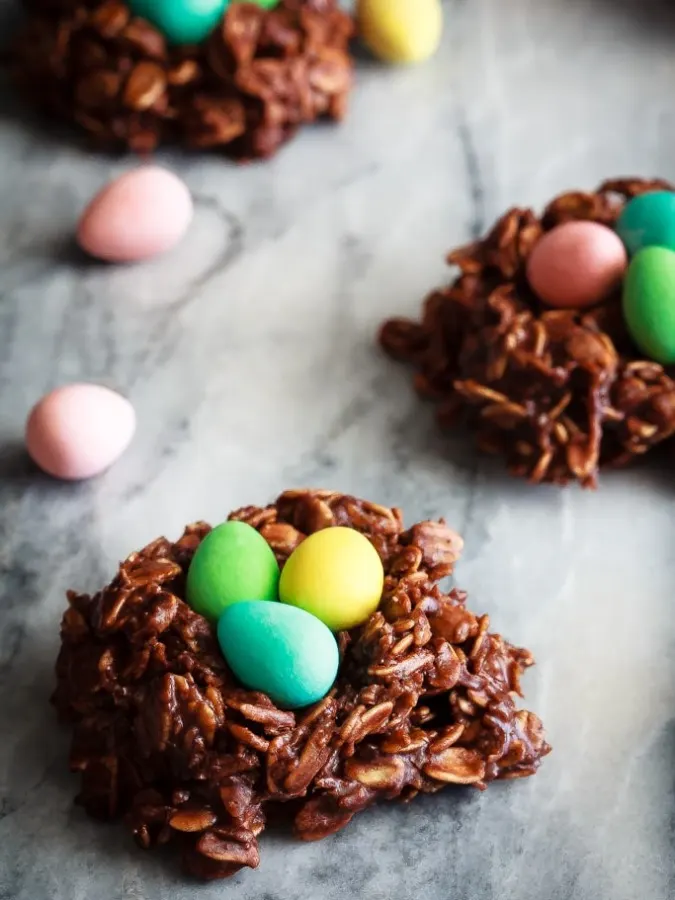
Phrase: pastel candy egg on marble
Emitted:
{"points": [[576, 265], [337, 575], [280, 650], [648, 221], [141, 214], [400, 31], [233, 563], [79, 430], [649, 303], [181, 21]]}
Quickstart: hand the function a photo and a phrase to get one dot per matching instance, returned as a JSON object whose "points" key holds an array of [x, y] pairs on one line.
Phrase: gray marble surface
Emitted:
{"points": [[249, 356]]}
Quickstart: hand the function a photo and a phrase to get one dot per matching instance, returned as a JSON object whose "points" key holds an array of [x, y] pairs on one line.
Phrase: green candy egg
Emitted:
{"points": [[233, 563], [280, 650], [649, 302], [181, 21], [648, 221]]}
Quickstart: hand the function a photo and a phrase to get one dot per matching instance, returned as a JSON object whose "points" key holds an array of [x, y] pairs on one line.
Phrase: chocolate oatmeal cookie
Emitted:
{"points": [[164, 736], [258, 77], [559, 393]]}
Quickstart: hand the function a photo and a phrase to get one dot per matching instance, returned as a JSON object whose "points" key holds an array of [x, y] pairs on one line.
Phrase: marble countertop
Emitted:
{"points": [[249, 356]]}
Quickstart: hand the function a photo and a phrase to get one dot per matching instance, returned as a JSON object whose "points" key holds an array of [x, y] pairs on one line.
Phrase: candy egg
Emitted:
{"points": [[283, 651], [233, 563], [335, 574], [79, 430], [649, 303], [400, 31], [181, 21], [141, 214], [648, 221], [576, 265]]}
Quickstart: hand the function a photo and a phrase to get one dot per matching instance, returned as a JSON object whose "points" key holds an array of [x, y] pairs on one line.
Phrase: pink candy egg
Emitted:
{"points": [[576, 265], [141, 214], [79, 430]]}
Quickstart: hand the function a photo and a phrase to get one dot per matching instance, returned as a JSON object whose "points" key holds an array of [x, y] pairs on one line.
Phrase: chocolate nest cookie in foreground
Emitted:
{"points": [[164, 735], [245, 89], [559, 393]]}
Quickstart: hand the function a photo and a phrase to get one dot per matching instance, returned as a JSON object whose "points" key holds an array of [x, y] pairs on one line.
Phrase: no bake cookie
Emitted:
{"points": [[258, 77], [559, 393], [165, 736]]}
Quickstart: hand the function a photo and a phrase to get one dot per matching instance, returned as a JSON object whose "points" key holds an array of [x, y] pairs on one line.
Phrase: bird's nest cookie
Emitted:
{"points": [[558, 393], [258, 77], [164, 735]]}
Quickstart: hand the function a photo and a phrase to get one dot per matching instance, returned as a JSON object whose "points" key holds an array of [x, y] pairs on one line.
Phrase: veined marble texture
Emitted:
{"points": [[249, 356]]}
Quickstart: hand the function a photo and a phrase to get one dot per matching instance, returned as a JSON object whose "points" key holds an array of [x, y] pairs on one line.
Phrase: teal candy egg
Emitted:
{"points": [[648, 221], [281, 650], [181, 21], [649, 302], [233, 563]]}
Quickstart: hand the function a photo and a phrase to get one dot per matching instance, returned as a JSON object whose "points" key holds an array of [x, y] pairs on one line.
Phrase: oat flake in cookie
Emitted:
{"points": [[559, 393], [258, 77], [165, 737]]}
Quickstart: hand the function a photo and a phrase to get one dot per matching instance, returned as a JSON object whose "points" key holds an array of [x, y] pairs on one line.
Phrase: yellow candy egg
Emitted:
{"points": [[400, 31], [335, 574]]}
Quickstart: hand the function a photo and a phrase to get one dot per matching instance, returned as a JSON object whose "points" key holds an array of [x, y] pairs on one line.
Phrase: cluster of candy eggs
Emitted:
{"points": [[647, 226], [579, 264], [276, 629], [186, 21], [397, 31]]}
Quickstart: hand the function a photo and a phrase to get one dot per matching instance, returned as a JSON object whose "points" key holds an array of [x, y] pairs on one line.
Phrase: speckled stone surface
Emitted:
{"points": [[249, 356]]}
